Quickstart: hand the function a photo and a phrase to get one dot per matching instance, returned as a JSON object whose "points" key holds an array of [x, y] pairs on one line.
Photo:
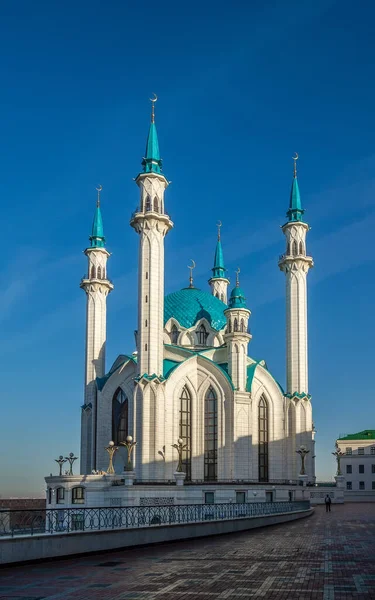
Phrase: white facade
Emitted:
{"points": [[358, 463], [191, 377]]}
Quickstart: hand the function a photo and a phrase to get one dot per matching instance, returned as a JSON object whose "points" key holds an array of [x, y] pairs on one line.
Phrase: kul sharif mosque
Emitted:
{"points": [[191, 382]]}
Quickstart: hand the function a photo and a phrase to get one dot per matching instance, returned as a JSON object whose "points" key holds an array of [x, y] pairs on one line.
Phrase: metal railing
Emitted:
{"points": [[218, 481], [67, 520]]}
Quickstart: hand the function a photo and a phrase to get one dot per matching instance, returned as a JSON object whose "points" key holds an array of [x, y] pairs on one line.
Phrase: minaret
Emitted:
{"points": [[152, 223], [218, 282], [97, 287], [237, 337], [295, 264]]}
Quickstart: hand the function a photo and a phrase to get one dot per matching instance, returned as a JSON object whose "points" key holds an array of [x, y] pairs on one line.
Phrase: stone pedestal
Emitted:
{"points": [[179, 477], [129, 477], [304, 479], [340, 481]]}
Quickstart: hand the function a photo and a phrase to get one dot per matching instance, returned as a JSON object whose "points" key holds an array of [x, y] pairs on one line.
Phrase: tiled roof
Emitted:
{"points": [[367, 434], [189, 305]]}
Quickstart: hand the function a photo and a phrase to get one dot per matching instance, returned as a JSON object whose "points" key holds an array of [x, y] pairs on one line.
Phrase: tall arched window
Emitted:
{"points": [[301, 248], [92, 272], [229, 326], [288, 248], [242, 327], [202, 335], [148, 203], [99, 272], [295, 248], [263, 439], [156, 204], [235, 325], [210, 436], [185, 431], [174, 335], [120, 417]]}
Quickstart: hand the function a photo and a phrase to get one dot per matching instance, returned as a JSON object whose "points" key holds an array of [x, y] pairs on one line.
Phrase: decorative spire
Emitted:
{"points": [[191, 273], [97, 238], [152, 162], [295, 211], [237, 298], [219, 269]]}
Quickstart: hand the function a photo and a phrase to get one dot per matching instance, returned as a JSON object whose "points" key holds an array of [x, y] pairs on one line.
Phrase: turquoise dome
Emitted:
{"points": [[189, 305], [237, 298]]}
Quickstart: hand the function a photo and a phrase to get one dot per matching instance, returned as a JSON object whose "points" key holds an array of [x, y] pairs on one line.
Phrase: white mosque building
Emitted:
{"points": [[191, 377]]}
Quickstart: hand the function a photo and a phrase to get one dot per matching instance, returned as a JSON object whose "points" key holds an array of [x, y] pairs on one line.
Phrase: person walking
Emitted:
{"points": [[327, 501]]}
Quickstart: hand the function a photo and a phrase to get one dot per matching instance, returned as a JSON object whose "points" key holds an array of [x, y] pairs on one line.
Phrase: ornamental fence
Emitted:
{"points": [[68, 520]]}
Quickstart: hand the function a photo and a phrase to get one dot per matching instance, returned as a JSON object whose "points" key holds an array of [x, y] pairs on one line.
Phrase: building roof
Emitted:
{"points": [[97, 238], [237, 298], [367, 434], [189, 305], [219, 268]]}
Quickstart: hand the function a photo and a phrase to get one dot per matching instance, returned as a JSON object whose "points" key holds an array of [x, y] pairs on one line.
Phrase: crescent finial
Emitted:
{"points": [[218, 225], [153, 100], [191, 267], [238, 271], [98, 189], [295, 158]]}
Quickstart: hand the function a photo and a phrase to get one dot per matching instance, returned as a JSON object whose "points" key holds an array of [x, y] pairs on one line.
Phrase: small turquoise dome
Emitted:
{"points": [[189, 305], [237, 298]]}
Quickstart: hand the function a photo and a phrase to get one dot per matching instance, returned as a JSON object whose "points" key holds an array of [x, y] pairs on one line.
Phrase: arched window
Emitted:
{"points": [[78, 495], [263, 439], [235, 325], [229, 326], [156, 204], [202, 335], [222, 297], [210, 436], [295, 248], [120, 417], [217, 294], [185, 431], [60, 495], [242, 325], [92, 272], [288, 248], [99, 272], [103, 273], [301, 248], [148, 203], [174, 335]]}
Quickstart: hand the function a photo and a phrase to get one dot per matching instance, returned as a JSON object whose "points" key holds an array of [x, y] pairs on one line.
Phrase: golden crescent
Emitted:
{"points": [[296, 156], [154, 99]]}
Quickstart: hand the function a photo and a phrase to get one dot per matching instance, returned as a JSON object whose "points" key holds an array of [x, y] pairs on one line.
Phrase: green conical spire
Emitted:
{"points": [[152, 162], [237, 298], [97, 238], [219, 268], [295, 211]]}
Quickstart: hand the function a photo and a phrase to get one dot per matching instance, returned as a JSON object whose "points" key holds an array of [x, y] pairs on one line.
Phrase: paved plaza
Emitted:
{"points": [[325, 557]]}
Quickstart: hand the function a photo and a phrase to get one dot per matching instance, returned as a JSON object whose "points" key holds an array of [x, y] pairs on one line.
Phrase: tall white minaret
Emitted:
{"points": [[296, 264], [152, 223], [218, 282], [237, 337], [97, 287]]}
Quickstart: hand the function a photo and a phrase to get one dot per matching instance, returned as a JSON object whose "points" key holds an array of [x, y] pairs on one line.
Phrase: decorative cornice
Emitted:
{"points": [[298, 396]]}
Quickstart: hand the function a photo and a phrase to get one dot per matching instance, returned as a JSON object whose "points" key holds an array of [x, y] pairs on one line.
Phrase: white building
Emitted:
{"points": [[191, 376], [358, 464]]}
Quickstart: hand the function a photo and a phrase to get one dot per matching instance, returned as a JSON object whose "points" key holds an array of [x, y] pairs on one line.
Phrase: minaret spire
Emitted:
{"points": [[97, 287], [219, 282], [295, 210], [152, 162]]}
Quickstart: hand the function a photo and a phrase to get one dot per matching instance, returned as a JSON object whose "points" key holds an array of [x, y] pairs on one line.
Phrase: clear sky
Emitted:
{"points": [[241, 86]]}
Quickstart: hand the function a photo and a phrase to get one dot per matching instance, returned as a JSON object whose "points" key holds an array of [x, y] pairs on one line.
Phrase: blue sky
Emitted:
{"points": [[241, 87]]}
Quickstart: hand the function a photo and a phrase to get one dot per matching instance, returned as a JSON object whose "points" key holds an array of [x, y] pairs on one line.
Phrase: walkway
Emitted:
{"points": [[325, 557]]}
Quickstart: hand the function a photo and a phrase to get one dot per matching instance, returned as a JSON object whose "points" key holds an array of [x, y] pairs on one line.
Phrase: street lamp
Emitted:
{"points": [[129, 445], [60, 461], [303, 451], [111, 449], [180, 447], [71, 458]]}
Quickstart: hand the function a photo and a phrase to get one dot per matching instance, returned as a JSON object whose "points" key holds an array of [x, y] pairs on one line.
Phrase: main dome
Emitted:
{"points": [[189, 305]]}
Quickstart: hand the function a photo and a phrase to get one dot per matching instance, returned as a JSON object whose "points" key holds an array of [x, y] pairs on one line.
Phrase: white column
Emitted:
{"points": [[237, 344], [219, 288]]}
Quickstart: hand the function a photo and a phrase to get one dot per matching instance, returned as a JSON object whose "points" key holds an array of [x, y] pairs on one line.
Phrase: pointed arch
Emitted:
{"points": [[210, 435], [242, 326], [120, 416], [295, 248], [301, 250], [156, 204], [235, 325], [99, 272], [174, 334], [229, 326], [92, 272], [148, 203], [288, 248], [263, 435], [202, 335], [185, 430]]}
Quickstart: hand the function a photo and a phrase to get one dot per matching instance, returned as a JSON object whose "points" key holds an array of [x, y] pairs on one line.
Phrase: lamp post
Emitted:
{"points": [[129, 445], [111, 449], [180, 447], [71, 458], [338, 454], [303, 451], [60, 461]]}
